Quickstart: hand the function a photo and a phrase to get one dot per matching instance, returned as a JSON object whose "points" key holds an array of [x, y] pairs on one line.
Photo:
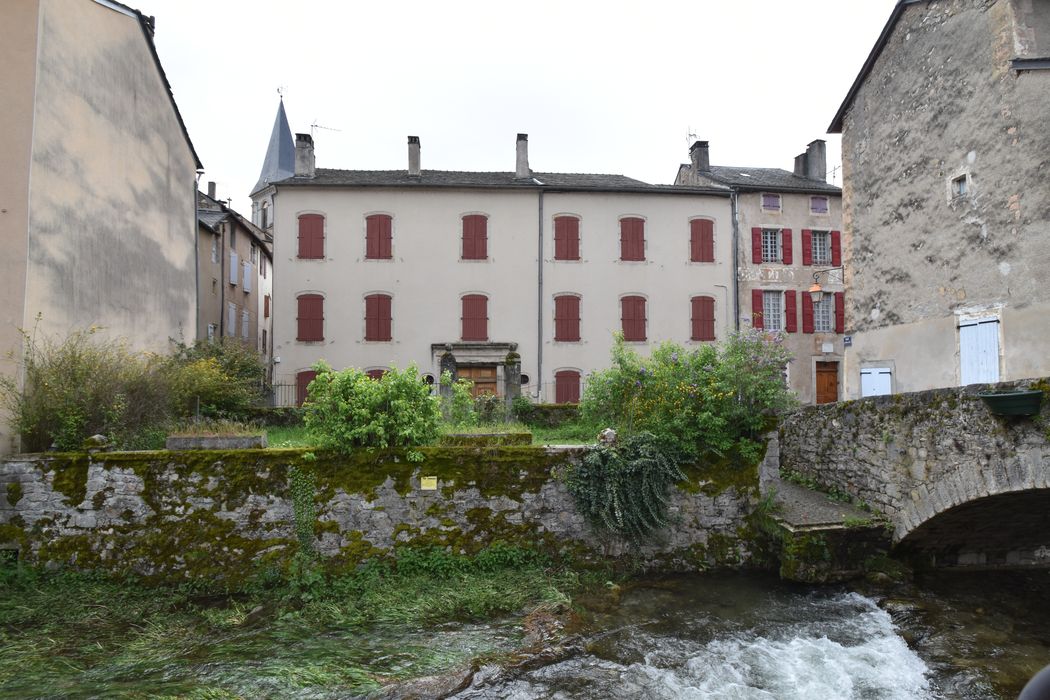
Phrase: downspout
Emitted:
{"points": [[197, 255], [222, 281], [736, 261], [539, 299]]}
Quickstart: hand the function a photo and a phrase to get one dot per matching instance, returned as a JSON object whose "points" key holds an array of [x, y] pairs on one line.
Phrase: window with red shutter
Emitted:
{"points": [[807, 246], [840, 312], [836, 248], [701, 240], [311, 236], [703, 318], [632, 317], [785, 246], [302, 381], [566, 238], [632, 239], [807, 313], [567, 386], [475, 317], [377, 317], [757, 307], [376, 374], [311, 317], [475, 237], [378, 237], [567, 318], [790, 312], [756, 245]]}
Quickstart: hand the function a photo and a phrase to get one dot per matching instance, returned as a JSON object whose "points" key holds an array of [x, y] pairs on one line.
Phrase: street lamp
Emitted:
{"points": [[815, 292]]}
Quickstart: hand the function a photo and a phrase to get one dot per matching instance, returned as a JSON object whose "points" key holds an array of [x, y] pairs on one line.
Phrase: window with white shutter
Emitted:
{"points": [[234, 267], [248, 274]]}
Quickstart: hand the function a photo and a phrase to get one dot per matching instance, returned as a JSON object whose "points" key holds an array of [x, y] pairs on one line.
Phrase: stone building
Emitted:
{"points": [[787, 237], [236, 276], [516, 280], [946, 210], [103, 232]]}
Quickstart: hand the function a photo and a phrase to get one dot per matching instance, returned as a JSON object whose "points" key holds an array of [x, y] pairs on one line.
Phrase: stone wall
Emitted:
{"points": [[931, 459], [227, 515]]}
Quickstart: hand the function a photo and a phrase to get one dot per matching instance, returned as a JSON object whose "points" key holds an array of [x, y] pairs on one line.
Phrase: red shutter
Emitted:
{"points": [[836, 249], [703, 318], [475, 317], [377, 317], [377, 237], [266, 306], [756, 246], [559, 239], [632, 318], [302, 381], [807, 246], [790, 312], [756, 308], [695, 253], [701, 241], [632, 239], [311, 236], [475, 237], [371, 238], [807, 313], [311, 317], [567, 318], [785, 242], [840, 312], [567, 386], [566, 238], [375, 374]]}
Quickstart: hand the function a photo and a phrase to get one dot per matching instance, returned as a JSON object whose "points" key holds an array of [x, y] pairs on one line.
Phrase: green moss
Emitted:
{"points": [[70, 478], [14, 493], [356, 551], [716, 475], [804, 557], [485, 439]]}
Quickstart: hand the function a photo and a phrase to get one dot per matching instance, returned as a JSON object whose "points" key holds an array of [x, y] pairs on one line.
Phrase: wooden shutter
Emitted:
{"points": [[836, 249], [701, 240], [632, 317], [375, 374], [302, 381], [566, 238], [475, 237], [378, 237], [377, 317], [311, 236], [703, 318], [266, 306], [840, 312], [790, 312], [807, 313], [756, 246], [475, 317], [807, 246], [785, 246], [567, 386], [567, 318], [756, 306], [311, 317], [632, 239]]}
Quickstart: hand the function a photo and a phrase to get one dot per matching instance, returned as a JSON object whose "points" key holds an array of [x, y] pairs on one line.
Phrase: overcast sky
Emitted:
{"points": [[602, 87]]}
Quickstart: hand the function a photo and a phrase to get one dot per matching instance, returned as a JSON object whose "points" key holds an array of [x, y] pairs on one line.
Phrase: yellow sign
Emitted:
{"points": [[429, 483]]}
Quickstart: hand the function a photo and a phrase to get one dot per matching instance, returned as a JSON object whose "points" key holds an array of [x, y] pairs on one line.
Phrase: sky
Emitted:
{"points": [[610, 87]]}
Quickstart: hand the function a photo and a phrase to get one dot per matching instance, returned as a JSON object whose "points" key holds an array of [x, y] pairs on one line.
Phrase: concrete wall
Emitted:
{"points": [[427, 278], [942, 102], [226, 515]]}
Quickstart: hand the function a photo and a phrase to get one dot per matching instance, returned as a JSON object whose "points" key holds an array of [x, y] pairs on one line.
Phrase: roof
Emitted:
{"points": [[326, 177], [279, 162], [836, 124], [767, 179], [212, 212], [211, 219]]}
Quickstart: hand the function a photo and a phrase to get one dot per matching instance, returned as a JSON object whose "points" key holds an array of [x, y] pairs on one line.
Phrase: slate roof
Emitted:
{"points": [[212, 212], [767, 179], [211, 219], [327, 177], [279, 162]]}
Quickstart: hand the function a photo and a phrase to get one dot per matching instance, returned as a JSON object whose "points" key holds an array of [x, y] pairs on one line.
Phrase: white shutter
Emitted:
{"points": [[231, 319], [979, 351], [244, 324], [247, 277], [876, 381], [234, 267]]}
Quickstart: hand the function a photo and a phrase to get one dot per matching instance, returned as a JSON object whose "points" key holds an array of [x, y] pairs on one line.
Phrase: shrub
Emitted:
{"points": [[348, 409], [457, 408], [222, 379]]}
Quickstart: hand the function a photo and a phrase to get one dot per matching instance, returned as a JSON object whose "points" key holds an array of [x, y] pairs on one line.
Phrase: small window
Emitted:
{"points": [[302, 384], [254, 254], [262, 266], [475, 237], [525, 379], [377, 317], [378, 237], [266, 306], [567, 386], [211, 331], [376, 373], [701, 240], [475, 318], [822, 247], [247, 277], [632, 318], [960, 186], [770, 202], [772, 250], [824, 315], [265, 345], [234, 268], [245, 323], [231, 319], [310, 321], [233, 237], [428, 379], [215, 249], [703, 318], [632, 239], [818, 204], [264, 215], [311, 237], [566, 238], [567, 318], [773, 311]]}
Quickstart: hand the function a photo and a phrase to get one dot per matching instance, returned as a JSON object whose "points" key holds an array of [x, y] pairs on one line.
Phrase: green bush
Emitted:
{"points": [[222, 379], [457, 408], [348, 409], [711, 400]]}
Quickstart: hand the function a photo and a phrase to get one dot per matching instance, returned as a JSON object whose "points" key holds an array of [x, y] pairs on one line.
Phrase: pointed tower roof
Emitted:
{"points": [[280, 154]]}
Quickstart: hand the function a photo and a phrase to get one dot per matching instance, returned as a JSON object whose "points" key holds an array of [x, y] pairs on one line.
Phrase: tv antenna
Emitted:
{"points": [[690, 137], [315, 125]]}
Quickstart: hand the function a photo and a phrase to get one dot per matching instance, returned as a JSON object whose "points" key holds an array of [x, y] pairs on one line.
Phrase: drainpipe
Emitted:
{"points": [[539, 299], [725, 295], [197, 256], [222, 281], [736, 261]]}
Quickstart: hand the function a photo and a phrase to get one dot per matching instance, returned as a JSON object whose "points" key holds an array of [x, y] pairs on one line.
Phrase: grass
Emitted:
{"points": [[566, 434]]}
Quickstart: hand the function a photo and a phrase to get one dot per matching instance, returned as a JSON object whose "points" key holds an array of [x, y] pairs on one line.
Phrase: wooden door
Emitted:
{"points": [[827, 382], [484, 378]]}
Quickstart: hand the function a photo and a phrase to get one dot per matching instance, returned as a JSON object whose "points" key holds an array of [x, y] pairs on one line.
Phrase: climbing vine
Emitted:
{"points": [[303, 488]]}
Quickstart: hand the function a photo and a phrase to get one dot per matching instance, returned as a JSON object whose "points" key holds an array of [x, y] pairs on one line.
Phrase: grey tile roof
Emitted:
{"points": [[768, 179], [501, 180], [211, 219], [279, 162]]}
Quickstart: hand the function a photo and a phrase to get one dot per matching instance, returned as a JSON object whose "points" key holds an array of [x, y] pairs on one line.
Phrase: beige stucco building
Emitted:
{"points": [[946, 207], [788, 236], [463, 269], [97, 190]]}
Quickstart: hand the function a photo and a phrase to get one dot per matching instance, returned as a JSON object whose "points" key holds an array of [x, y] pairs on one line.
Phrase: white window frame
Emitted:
{"points": [[774, 244], [824, 236], [773, 298], [824, 315]]}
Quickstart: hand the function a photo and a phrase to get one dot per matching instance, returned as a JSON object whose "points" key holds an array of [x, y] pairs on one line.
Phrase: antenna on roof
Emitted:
{"points": [[690, 137], [834, 173], [315, 125]]}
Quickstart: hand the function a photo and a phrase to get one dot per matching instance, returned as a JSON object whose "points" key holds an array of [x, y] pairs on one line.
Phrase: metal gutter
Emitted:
{"points": [[539, 299]]}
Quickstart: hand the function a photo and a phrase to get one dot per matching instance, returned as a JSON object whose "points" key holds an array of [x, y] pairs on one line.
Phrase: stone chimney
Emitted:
{"points": [[413, 156], [701, 157], [817, 161], [800, 165], [304, 155], [521, 171], [211, 189]]}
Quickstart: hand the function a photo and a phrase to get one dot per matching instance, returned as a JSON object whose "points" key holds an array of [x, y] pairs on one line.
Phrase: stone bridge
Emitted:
{"points": [[959, 485]]}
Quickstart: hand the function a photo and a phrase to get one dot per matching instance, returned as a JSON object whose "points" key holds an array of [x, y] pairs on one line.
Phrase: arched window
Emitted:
{"points": [[567, 386], [311, 236], [376, 373], [632, 238], [703, 318], [475, 237], [475, 317], [310, 320], [632, 317], [701, 240], [566, 238], [567, 318], [377, 317], [378, 237]]}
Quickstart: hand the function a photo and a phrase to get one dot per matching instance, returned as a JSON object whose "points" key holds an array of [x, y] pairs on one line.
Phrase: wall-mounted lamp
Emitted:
{"points": [[815, 292]]}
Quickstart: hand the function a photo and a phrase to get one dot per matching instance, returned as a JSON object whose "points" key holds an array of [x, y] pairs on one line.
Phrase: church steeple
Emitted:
{"points": [[280, 153]]}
